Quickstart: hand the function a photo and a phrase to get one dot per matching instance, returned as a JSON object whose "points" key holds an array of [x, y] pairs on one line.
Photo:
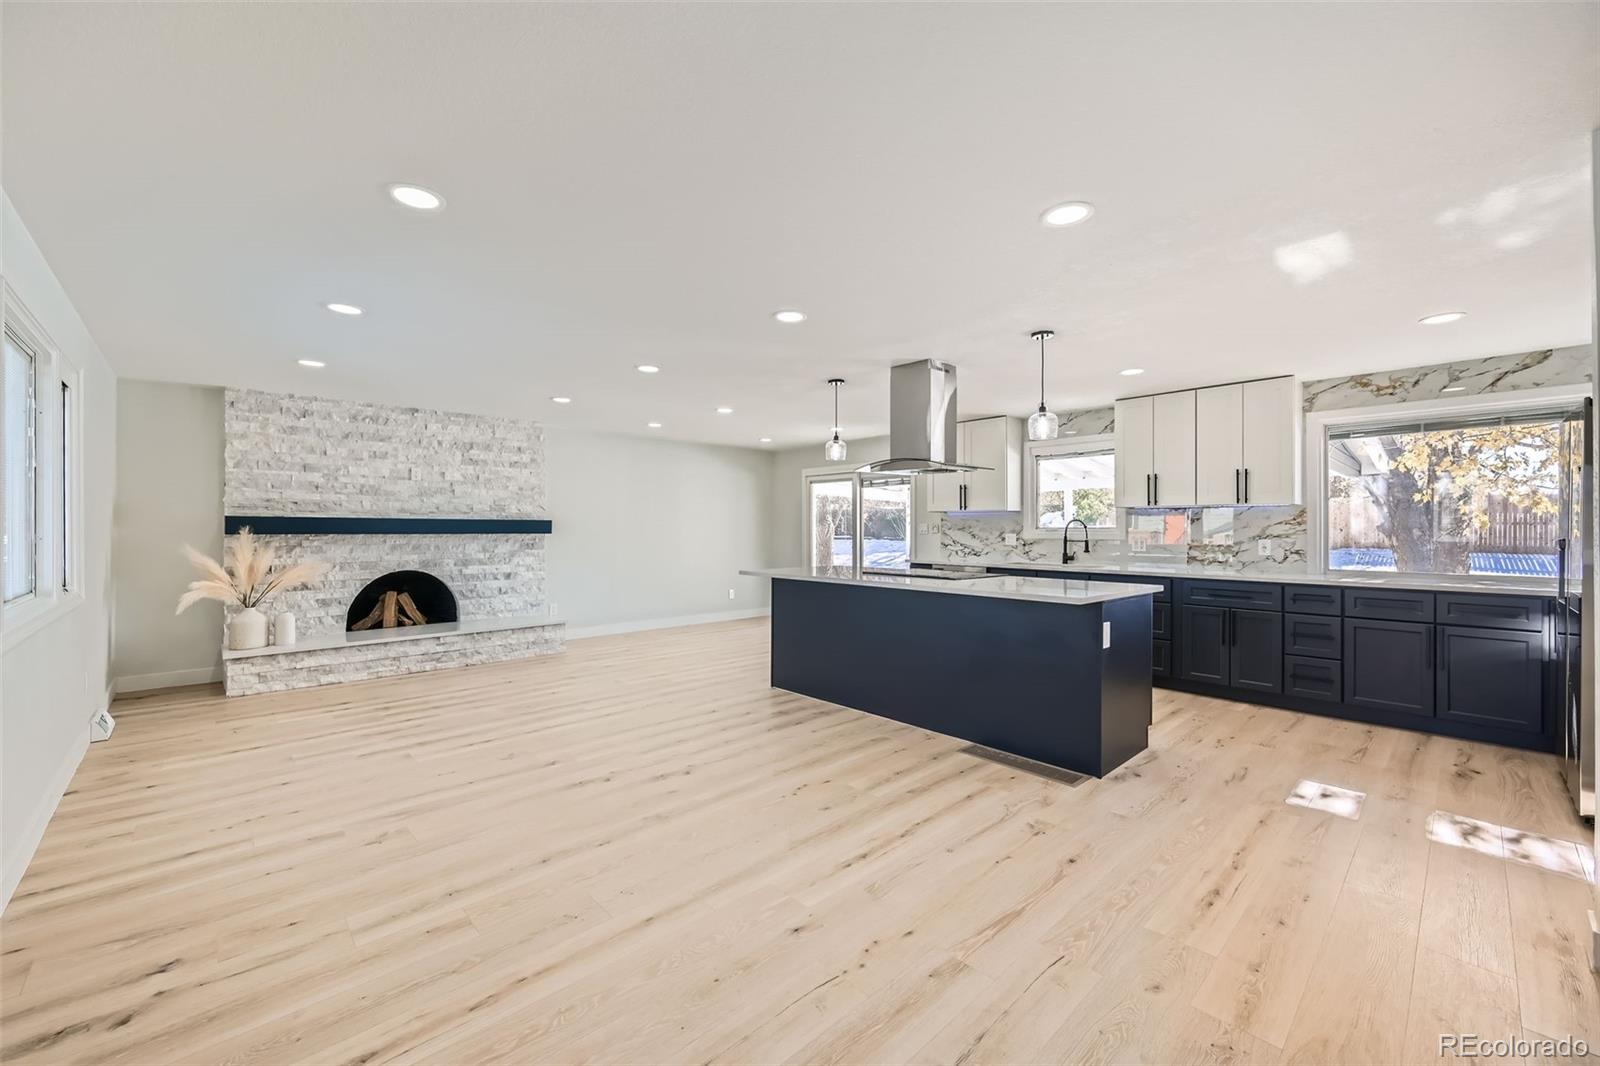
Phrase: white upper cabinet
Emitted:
{"points": [[1222, 446], [1173, 483], [996, 445], [1248, 450], [1219, 445], [1273, 437], [1155, 450]]}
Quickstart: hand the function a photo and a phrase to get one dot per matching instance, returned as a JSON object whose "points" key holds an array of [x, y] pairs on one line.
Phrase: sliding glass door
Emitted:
{"points": [[881, 537]]}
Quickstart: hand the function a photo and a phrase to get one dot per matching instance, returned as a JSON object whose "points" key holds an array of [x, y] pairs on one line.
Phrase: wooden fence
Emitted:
{"points": [[1353, 523]]}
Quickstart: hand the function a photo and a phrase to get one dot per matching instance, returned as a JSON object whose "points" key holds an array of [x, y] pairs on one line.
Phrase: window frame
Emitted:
{"points": [[59, 551], [1319, 424], [1033, 451]]}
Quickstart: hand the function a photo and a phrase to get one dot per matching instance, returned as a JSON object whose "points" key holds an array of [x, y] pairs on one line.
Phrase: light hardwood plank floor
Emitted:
{"points": [[639, 852]]}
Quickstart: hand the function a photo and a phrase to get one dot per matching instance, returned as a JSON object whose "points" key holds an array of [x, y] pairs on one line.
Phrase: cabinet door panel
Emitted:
{"points": [[1135, 441], [1173, 449], [1271, 438], [1491, 677], [944, 492], [1204, 644], [1389, 665], [1161, 658], [1219, 445], [1161, 620], [986, 446], [1256, 650]]}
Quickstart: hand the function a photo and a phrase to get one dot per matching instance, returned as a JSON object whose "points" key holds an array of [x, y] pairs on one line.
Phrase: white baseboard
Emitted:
{"points": [[13, 866], [204, 675], [580, 632]]}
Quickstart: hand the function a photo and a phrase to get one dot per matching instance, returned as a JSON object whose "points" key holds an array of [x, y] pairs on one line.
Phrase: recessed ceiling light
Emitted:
{"points": [[1132, 371], [724, 410], [561, 399], [316, 364], [646, 368], [1453, 388], [1442, 318], [789, 317], [653, 425], [343, 309], [1068, 214], [417, 197], [766, 440]]}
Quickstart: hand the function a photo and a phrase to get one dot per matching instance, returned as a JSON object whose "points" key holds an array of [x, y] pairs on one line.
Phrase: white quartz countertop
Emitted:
{"points": [[999, 587], [1348, 579]]}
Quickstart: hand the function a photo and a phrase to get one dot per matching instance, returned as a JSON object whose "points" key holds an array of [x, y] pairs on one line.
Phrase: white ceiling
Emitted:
{"points": [[1279, 189]]}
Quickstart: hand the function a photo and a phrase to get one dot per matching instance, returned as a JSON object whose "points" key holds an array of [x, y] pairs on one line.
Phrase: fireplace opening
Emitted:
{"points": [[401, 598]]}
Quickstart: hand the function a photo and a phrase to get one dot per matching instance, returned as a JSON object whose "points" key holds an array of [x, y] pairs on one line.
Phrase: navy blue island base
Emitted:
{"points": [[1035, 679]]}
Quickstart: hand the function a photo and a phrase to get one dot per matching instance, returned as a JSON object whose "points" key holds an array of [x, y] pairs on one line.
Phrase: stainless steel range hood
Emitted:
{"points": [[922, 421]]}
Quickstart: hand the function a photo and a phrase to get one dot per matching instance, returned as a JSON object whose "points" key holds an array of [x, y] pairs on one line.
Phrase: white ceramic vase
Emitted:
{"points": [[247, 629], [283, 628]]}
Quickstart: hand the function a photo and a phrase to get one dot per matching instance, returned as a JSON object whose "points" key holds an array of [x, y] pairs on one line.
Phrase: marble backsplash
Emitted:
{"points": [[1243, 539]]}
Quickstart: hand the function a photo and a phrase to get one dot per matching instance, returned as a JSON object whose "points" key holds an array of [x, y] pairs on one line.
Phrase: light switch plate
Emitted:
{"points": [[1105, 634]]}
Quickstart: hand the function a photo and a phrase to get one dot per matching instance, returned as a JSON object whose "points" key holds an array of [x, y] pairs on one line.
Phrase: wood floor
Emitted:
{"points": [[638, 852]]}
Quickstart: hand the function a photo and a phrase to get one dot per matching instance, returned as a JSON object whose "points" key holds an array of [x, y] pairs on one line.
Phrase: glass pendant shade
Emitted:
{"points": [[1042, 424], [834, 450]]}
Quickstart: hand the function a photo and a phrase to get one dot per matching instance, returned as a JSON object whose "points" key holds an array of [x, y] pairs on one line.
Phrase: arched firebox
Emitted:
{"points": [[401, 598]]}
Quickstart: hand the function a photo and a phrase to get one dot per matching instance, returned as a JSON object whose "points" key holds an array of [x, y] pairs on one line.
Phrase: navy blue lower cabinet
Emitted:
{"points": [[1203, 642], [1491, 677], [1161, 658], [1255, 650], [1389, 666], [1161, 621], [1317, 635]]}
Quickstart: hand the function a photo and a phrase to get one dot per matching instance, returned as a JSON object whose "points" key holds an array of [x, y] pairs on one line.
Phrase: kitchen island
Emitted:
{"points": [[1050, 670]]}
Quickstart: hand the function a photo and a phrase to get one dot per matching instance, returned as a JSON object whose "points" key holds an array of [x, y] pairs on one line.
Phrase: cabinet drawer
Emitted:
{"points": [[1255, 595], [1491, 611], [1317, 679], [1312, 600], [1161, 658], [1161, 621], [1316, 635], [1394, 605]]}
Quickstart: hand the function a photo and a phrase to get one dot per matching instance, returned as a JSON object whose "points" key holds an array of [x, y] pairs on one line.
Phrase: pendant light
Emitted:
{"points": [[1042, 424], [834, 450]]}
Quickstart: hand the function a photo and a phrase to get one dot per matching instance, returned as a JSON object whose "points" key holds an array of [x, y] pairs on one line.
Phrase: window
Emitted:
{"points": [[1490, 494], [885, 506], [21, 470], [1069, 480]]}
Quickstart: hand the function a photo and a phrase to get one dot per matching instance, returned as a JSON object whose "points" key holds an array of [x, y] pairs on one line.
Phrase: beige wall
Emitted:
{"points": [[647, 530], [169, 493], [55, 676]]}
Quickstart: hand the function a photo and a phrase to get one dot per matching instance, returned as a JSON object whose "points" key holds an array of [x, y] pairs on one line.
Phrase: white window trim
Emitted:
{"points": [[1319, 424], [1031, 452], [52, 366]]}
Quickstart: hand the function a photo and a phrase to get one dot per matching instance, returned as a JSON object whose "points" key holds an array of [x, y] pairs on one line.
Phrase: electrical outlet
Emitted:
{"points": [[1264, 546], [923, 529], [1105, 634], [551, 608], [1010, 540], [730, 594]]}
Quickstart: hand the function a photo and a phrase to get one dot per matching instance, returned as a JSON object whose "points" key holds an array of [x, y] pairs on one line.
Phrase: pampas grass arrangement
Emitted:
{"points": [[248, 579]]}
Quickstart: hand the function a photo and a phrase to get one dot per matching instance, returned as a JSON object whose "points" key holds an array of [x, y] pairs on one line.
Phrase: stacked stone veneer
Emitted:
{"points": [[310, 456]]}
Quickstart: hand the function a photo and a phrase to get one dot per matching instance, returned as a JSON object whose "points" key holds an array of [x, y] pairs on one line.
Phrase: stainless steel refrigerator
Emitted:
{"points": [[1575, 642]]}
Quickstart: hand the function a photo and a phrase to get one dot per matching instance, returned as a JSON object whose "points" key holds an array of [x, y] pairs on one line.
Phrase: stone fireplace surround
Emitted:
{"points": [[313, 457]]}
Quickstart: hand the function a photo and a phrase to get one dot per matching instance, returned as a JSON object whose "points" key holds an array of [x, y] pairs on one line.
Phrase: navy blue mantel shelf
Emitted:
{"points": [[307, 524]]}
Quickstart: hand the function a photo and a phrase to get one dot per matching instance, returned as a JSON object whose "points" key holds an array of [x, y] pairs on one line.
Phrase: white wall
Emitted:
{"points": [[649, 530], [169, 493], [56, 676]]}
